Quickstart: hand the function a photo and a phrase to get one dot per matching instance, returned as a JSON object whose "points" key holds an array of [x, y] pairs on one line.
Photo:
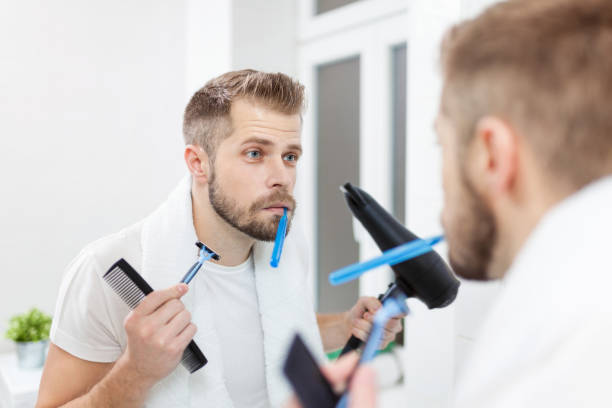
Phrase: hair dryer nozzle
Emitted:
{"points": [[427, 276], [353, 196]]}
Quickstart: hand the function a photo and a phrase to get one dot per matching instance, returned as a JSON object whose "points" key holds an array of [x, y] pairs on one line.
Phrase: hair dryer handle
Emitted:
{"points": [[353, 344]]}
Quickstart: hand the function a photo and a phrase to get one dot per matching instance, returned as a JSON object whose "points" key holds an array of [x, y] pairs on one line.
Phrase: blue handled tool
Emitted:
{"points": [[280, 240], [205, 254], [393, 306], [393, 256]]}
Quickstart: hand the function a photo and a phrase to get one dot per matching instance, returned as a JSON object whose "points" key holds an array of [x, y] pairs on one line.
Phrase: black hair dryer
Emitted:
{"points": [[426, 277]]}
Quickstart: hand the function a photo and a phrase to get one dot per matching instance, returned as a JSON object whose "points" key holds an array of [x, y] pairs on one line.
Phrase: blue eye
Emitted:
{"points": [[253, 154], [291, 157]]}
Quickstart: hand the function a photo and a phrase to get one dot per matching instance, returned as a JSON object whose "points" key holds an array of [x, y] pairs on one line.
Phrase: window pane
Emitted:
{"points": [[327, 5], [337, 162], [398, 103]]}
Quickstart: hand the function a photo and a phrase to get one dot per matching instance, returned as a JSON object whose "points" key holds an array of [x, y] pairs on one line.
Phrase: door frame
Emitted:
{"points": [[368, 29]]}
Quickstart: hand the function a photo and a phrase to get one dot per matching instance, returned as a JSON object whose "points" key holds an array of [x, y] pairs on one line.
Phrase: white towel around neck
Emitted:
{"points": [[168, 238]]}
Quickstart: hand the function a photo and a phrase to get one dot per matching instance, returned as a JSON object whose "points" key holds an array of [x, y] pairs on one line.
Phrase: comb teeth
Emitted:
{"points": [[132, 288], [123, 286], [193, 358]]}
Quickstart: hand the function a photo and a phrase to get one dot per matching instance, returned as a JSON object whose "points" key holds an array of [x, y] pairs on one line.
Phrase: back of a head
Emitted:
{"points": [[544, 66], [207, 116]]}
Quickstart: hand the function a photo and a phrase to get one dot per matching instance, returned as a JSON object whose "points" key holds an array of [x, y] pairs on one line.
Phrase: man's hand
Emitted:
{"points": [[362, 388], [158, 331], [361, 318], [337, 328]]}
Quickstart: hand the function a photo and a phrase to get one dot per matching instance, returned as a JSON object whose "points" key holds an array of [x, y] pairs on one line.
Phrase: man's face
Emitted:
{"points": [[468, 222], [254, 170]]}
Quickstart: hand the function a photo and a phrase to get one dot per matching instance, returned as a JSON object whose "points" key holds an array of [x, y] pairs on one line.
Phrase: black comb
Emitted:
{"points": [[132, 288]]}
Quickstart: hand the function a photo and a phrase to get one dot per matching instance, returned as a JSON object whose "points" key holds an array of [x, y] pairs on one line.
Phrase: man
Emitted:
{"points": [[242, 133], [526, 132]]}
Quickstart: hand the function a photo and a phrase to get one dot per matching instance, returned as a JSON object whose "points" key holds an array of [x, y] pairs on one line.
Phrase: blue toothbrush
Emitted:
{"points": [[392, 256], [280, 240]]}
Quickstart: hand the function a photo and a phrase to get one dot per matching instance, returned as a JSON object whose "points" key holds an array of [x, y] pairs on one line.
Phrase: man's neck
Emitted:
{"points": [[233, 246], [533, 200]]}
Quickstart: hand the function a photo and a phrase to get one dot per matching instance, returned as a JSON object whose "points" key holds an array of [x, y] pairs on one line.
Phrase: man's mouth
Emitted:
{"points": [[278, 208]]}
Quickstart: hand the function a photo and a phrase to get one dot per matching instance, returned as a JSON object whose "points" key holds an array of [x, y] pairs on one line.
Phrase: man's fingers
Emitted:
{"points": [[369, 316], [293, 402], [360, 334], [394, 325], [387, 338], [339, 371], [177, 324], [363, 388], [362, 328], [370, 303], [389, 335], [157, 298], [363, 325], [167, 311], [363, 305], [182, 340]]}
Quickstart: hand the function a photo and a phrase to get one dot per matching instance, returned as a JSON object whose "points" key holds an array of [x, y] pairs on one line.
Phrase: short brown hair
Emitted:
{"points": [[206, 121], [545, 66]]}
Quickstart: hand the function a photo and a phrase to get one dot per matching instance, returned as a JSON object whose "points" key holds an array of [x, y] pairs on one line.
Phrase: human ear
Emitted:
{"points": [[197, 162], [494, 155]]}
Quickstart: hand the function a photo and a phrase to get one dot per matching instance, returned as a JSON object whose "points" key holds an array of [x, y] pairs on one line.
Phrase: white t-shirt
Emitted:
{"points": [[238, 325]]}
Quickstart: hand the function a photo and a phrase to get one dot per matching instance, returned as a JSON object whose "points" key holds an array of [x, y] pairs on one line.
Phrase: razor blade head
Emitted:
{"points": [[203, 247]]}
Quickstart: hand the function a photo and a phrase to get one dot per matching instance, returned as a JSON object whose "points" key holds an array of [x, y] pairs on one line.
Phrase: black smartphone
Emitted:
{"points": [[311, 387]]}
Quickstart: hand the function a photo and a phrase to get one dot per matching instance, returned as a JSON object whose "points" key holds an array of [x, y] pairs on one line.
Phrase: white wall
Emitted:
{"points": [[208, 33], [91, 101], [264, 35]]}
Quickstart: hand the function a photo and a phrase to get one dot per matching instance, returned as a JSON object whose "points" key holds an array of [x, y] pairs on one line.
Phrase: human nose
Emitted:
{"points": [[279, 174]]}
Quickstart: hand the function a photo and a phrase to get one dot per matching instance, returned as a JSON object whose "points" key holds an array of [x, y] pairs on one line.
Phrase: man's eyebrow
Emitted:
{"points": [[266, 142], [295, 147], [257, 140]]}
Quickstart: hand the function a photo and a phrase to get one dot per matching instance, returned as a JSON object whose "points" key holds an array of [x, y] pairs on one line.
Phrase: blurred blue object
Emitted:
{"points": [[393, 306], [392, 256]]}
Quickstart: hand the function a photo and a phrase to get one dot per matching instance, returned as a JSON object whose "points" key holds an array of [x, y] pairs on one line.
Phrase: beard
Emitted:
{"points": [[472, 235], [246, 220]]}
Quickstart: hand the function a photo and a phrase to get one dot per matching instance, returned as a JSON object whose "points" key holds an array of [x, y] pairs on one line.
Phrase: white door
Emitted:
{"points": [[352, 60]]}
